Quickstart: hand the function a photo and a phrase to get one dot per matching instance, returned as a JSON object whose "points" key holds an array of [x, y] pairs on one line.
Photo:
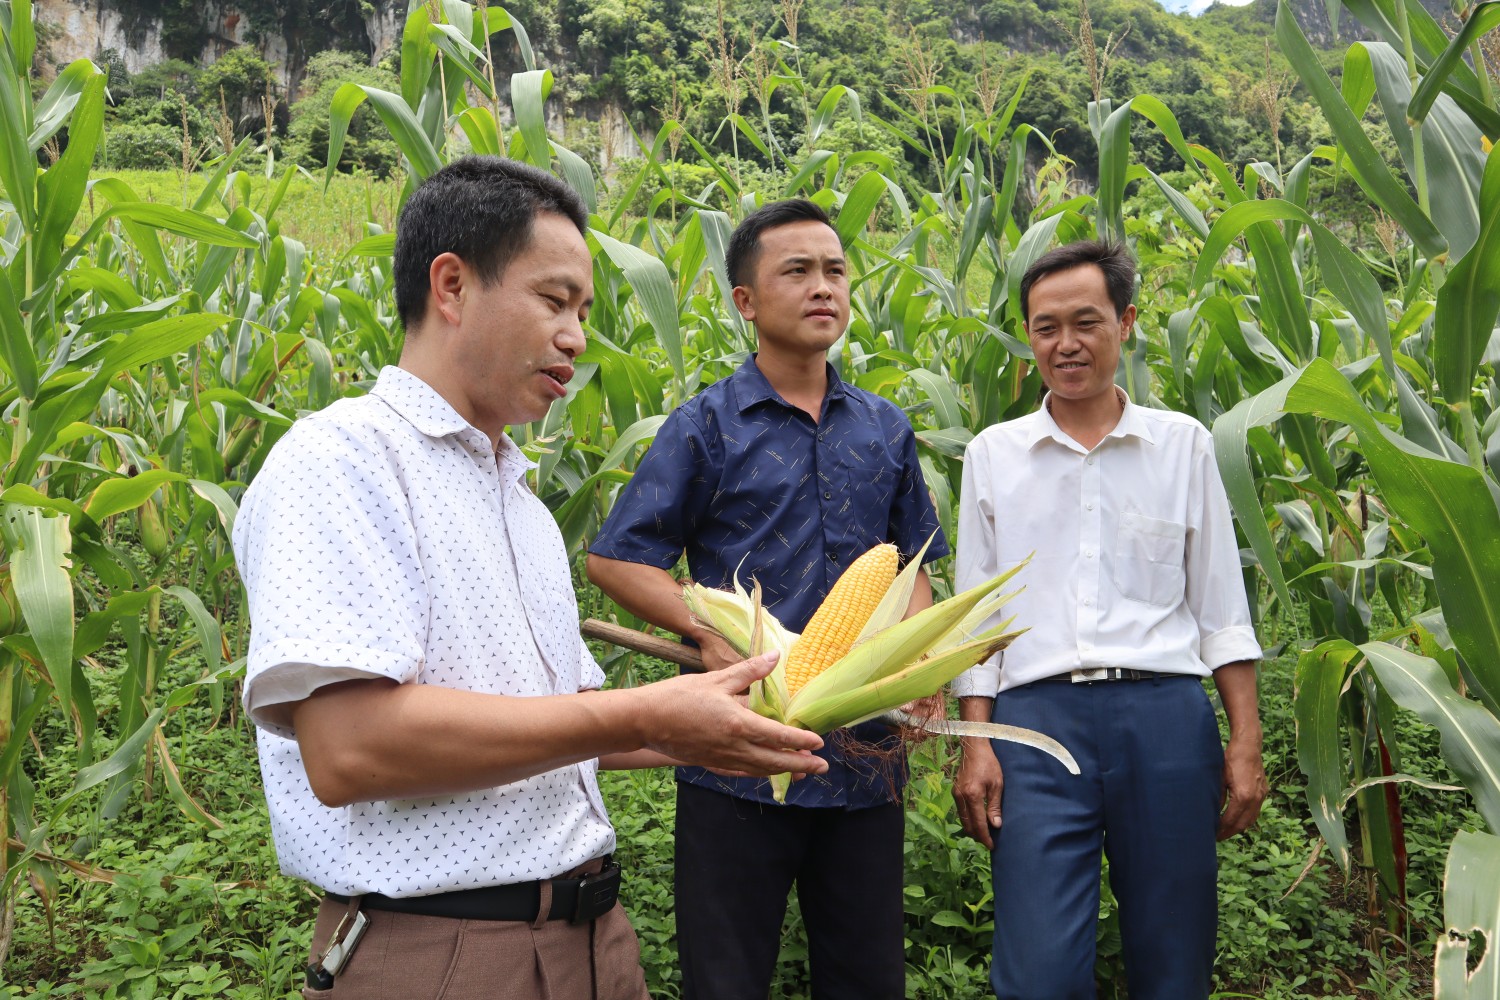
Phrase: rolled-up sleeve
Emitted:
{"points": [[1215, 591], [977, 559], [655, 512], [328, 554]]}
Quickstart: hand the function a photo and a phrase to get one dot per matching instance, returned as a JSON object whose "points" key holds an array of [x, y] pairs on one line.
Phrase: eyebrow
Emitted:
{"points": [[1083, 310]]}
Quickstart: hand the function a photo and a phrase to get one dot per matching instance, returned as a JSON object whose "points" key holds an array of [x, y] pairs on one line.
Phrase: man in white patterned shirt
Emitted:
{"points": [[1133, 596], [431, 714]]}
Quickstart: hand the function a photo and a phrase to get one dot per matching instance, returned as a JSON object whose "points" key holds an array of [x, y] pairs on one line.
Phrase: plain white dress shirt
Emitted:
{"points": [[1134, 557]]}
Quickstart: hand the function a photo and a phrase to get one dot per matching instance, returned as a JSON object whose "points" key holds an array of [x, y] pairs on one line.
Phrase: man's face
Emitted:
{"points": [[799, 296], [1075, 333], [513, 353]]}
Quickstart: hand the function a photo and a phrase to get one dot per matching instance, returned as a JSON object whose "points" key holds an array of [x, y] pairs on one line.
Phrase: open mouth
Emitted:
{"points": [[560, 375], [1071, 366]]}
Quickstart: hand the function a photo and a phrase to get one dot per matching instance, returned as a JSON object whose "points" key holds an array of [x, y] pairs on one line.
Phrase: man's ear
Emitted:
{"points": [[1127, 322], [744, 301], [447, 280]]}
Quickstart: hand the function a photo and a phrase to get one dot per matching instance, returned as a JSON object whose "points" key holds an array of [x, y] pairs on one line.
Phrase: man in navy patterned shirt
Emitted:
{"points": [[785, 473]]}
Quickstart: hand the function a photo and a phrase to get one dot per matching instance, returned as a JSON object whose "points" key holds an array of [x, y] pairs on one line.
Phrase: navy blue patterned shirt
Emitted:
{"points": [[740, 479]]}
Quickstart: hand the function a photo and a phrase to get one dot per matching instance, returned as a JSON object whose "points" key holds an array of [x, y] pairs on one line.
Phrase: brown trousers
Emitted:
{"points": [[403, 956]]}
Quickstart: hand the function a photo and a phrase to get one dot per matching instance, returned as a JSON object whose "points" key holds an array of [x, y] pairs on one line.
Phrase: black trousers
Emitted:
{"points": [[736, 862]]}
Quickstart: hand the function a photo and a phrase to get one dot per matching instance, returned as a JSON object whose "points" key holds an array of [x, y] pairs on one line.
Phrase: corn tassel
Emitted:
{"points": [[842, 616]]}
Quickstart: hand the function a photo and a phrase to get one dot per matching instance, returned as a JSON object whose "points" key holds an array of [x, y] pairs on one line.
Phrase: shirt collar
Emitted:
{"points": [[1132, 423], [420, 405], [753, 388]]}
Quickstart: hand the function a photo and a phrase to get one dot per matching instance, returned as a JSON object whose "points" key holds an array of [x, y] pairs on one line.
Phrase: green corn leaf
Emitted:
{"points": [[22, 33], [1450, 143], [180, 221], [210, 637], [462, 55], [482, 130], [939, 390], [38, 542], [1033, 244], [1357, 85], [1346, 276], [823, 116], [901, 644], [1468, 304], [398, 118], [917, 680], [1448, 503], [1471, 734], [579, 175], [859, 205], [1320, 753], [1375, 178], [17, 355], [123, 759], [52, 111], [222, 503], [1471, 912], [191, 807], [1114, 156], [528, 94], [652, 284], [145, 239], [499, 19], [378, 245], [417, 61], [1483, 18], [215, 183], [1184, 208], [17, 161], [115, 496]]}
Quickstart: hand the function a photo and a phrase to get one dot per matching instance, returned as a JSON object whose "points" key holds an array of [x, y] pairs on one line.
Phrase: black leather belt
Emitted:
{"points": [[577, 900], [1093, 676]]}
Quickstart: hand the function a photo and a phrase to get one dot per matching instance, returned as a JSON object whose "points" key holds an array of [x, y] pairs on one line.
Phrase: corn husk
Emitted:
{"points": [[893, 661]]}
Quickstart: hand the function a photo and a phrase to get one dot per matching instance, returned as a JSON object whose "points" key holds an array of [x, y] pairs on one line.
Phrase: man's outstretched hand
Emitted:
{"points": [[703, 719]]}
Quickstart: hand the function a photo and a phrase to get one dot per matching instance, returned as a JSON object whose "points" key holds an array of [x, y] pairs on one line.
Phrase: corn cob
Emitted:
{"points": [[887, 659], [838, 621]]}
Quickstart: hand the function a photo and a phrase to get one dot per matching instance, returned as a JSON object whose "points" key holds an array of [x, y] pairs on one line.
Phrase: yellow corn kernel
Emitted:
{"points": [[841, 616]]}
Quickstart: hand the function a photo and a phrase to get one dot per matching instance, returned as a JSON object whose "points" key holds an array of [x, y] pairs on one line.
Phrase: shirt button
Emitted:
{"points": [[1089, 460], [827, 496], [1088, 553], [1088, 602], [1088, 506], [833, 557]]}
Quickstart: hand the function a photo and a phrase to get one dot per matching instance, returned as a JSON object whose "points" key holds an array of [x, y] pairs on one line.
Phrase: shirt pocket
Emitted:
{"points": [[1149, 559]]}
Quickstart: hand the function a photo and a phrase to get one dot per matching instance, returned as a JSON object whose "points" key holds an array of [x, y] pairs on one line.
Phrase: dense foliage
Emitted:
{"points": [[152, 349], [655, 59]]}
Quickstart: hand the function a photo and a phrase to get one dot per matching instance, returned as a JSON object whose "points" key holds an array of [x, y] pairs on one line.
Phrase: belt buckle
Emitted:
{"points": [[1088, 675]]}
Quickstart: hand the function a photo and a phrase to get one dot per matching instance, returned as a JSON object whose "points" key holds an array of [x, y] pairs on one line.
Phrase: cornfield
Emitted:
{"points": [[151, 358]]}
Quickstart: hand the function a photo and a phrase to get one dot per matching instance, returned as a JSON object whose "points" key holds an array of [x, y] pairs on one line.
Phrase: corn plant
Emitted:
{"points": [[1425, 470]]}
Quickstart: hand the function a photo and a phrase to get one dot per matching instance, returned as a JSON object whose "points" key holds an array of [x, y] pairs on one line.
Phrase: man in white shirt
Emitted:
{"points": [[1134, 595], [432, 724]]}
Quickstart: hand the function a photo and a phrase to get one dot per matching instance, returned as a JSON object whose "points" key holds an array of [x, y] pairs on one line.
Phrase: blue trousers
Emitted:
{"points": [[1148, 797]]}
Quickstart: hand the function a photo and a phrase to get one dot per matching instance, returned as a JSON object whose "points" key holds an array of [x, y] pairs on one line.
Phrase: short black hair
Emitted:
{"points": [[744, 243], [480, 208], [1108, 256]]}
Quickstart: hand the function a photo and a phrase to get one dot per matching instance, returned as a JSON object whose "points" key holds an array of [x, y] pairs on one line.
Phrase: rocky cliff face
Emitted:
{"points": [[84, 29]]}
